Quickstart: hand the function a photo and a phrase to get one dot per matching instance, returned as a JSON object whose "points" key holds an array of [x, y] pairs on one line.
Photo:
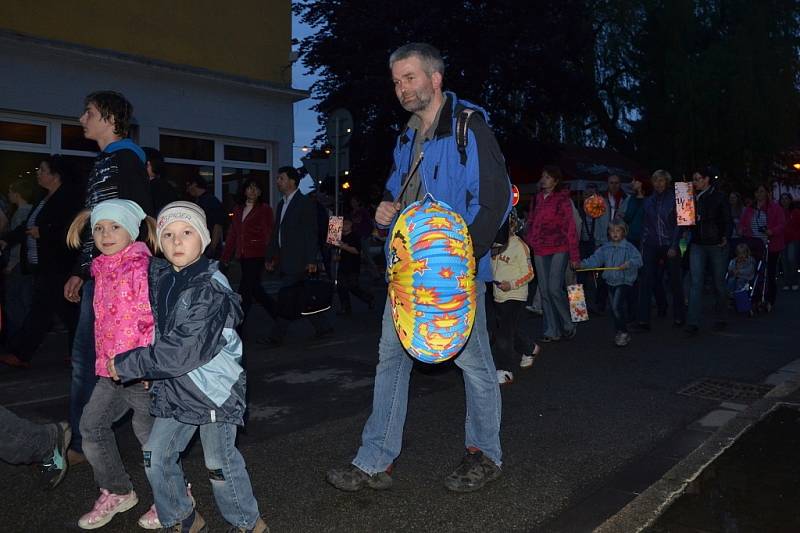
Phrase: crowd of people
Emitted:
{"points": [[137, 277]]}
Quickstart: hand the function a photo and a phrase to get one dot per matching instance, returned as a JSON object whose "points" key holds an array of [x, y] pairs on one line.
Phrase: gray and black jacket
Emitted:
{"points": [[195, 359]]}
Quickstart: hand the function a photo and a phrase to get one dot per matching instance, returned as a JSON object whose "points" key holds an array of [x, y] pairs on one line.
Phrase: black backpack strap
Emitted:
{"points": [[462, 123]]}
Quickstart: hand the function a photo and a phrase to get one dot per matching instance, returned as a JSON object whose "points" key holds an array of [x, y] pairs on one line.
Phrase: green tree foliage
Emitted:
{"points": [[717, 83], [672, 83]]}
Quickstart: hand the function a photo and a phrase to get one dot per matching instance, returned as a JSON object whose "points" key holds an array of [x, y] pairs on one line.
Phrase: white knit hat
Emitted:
{"points": [[188, 212]]}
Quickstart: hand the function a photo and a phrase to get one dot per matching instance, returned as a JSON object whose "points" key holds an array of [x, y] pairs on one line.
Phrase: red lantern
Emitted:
{"points": [[594, 206]]}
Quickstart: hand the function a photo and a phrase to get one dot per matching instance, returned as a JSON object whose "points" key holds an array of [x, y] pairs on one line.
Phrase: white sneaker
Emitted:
{"points": [[787, 288], [106, 506], [527, 360], [618, 339], [534, 310], [504, 377], [795, 287]]}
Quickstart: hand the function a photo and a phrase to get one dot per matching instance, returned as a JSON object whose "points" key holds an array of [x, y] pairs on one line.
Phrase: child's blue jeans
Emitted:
{"points": [[619, 306], [226, 469]]}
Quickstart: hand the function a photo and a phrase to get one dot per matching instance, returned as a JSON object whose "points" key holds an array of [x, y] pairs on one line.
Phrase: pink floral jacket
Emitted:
{"points": [[123, 319]]}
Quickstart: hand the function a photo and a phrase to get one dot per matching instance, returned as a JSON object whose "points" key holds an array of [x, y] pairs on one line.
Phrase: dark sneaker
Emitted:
{"points": [[54, 468], [545, 339], [324, 334], [691, 331], [569, 335], [13, 361], [719, 325], [475, 471], [351, 479], [260, 527], [193, 523]]}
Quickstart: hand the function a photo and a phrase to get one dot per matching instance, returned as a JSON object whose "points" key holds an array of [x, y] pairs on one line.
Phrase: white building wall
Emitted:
{"points": [[52, 81]]}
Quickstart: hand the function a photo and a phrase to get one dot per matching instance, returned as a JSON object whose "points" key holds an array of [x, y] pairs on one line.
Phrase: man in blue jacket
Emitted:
{"points": [[471, 177]]}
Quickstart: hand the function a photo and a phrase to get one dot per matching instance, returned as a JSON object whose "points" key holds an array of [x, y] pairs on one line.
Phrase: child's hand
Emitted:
{"points": [[505, 286], [111, 370], [146, 385], [625, 265]]}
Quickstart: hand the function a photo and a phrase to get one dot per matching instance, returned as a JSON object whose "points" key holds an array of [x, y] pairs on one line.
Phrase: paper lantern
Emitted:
{"points": [[431, 280], [594, 206]]}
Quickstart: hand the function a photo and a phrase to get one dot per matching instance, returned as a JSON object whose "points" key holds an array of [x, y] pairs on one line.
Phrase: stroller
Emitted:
{"points": [[750, 299]]}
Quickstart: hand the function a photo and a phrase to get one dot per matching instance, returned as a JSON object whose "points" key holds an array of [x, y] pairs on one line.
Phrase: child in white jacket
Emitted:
{"points": [[511, 272]]}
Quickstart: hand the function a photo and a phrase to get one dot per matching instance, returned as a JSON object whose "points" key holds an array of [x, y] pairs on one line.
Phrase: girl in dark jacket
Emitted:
{"points": [[247, 241]]}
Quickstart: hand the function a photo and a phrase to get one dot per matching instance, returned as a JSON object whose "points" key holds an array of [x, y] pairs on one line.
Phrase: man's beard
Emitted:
{"points": [[418, 103]]}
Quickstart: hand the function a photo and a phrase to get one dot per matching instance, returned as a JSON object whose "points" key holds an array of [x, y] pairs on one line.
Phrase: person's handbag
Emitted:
{"points": [[306, 297]]}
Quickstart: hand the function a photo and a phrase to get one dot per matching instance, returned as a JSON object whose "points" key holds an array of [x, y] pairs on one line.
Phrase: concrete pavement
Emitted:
{"points": [[584, 415]]}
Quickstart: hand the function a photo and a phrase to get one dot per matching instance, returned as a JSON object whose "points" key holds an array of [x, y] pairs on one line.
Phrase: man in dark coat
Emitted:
{"points": [[292, 250]]}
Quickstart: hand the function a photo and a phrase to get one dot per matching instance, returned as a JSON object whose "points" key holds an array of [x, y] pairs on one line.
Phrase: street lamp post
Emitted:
{"points": [[339, 129]]}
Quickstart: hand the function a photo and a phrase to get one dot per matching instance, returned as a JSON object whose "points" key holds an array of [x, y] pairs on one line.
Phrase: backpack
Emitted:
{"points": [[462, 123]]}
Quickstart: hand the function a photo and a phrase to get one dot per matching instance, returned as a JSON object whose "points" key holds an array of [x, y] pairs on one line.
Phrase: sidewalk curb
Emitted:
{"points": [[643, 510]]}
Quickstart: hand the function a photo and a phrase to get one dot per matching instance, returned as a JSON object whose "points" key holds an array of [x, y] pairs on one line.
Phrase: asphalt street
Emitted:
{"points": [[585, 412]]}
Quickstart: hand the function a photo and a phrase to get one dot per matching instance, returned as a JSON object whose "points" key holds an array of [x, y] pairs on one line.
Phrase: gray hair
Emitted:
{"points": [[662, 174], [429, 56]]}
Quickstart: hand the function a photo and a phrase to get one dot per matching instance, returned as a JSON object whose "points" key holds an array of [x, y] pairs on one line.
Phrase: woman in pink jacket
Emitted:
{"points": [[765, 220], [553, 239]]}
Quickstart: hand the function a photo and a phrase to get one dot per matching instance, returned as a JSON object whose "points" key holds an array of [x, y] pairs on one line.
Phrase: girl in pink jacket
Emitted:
{"points": [[123, 321]]}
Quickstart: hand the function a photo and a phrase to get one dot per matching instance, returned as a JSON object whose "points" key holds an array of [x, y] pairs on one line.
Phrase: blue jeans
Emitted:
{"points": [[382, 438], [716, 258], [229, 479], [111, 401], [655, 262], [789, 256], [18, 300], [619, 306], [83, 359], [550, 271]]}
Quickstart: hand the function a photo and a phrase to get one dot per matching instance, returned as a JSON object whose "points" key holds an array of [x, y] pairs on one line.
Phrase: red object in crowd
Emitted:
{"points": [[249, 237], [594, 206], [552, 228], [775, 223]]}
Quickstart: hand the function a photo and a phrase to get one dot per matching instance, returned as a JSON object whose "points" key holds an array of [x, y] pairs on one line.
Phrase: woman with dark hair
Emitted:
{"points": [[737, 206], [18, 279], [791, 236], [634, 211], [44, 248], [248, 234], [553, 237], [766, 221]]}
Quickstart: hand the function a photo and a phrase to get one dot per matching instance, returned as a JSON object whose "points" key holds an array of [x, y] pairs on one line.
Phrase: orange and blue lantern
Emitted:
{"points": [[431, 274]]}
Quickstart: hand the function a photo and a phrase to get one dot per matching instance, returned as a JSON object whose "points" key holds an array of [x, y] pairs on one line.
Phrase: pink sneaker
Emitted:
{"points": [[149, 520], [106, 506]]}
